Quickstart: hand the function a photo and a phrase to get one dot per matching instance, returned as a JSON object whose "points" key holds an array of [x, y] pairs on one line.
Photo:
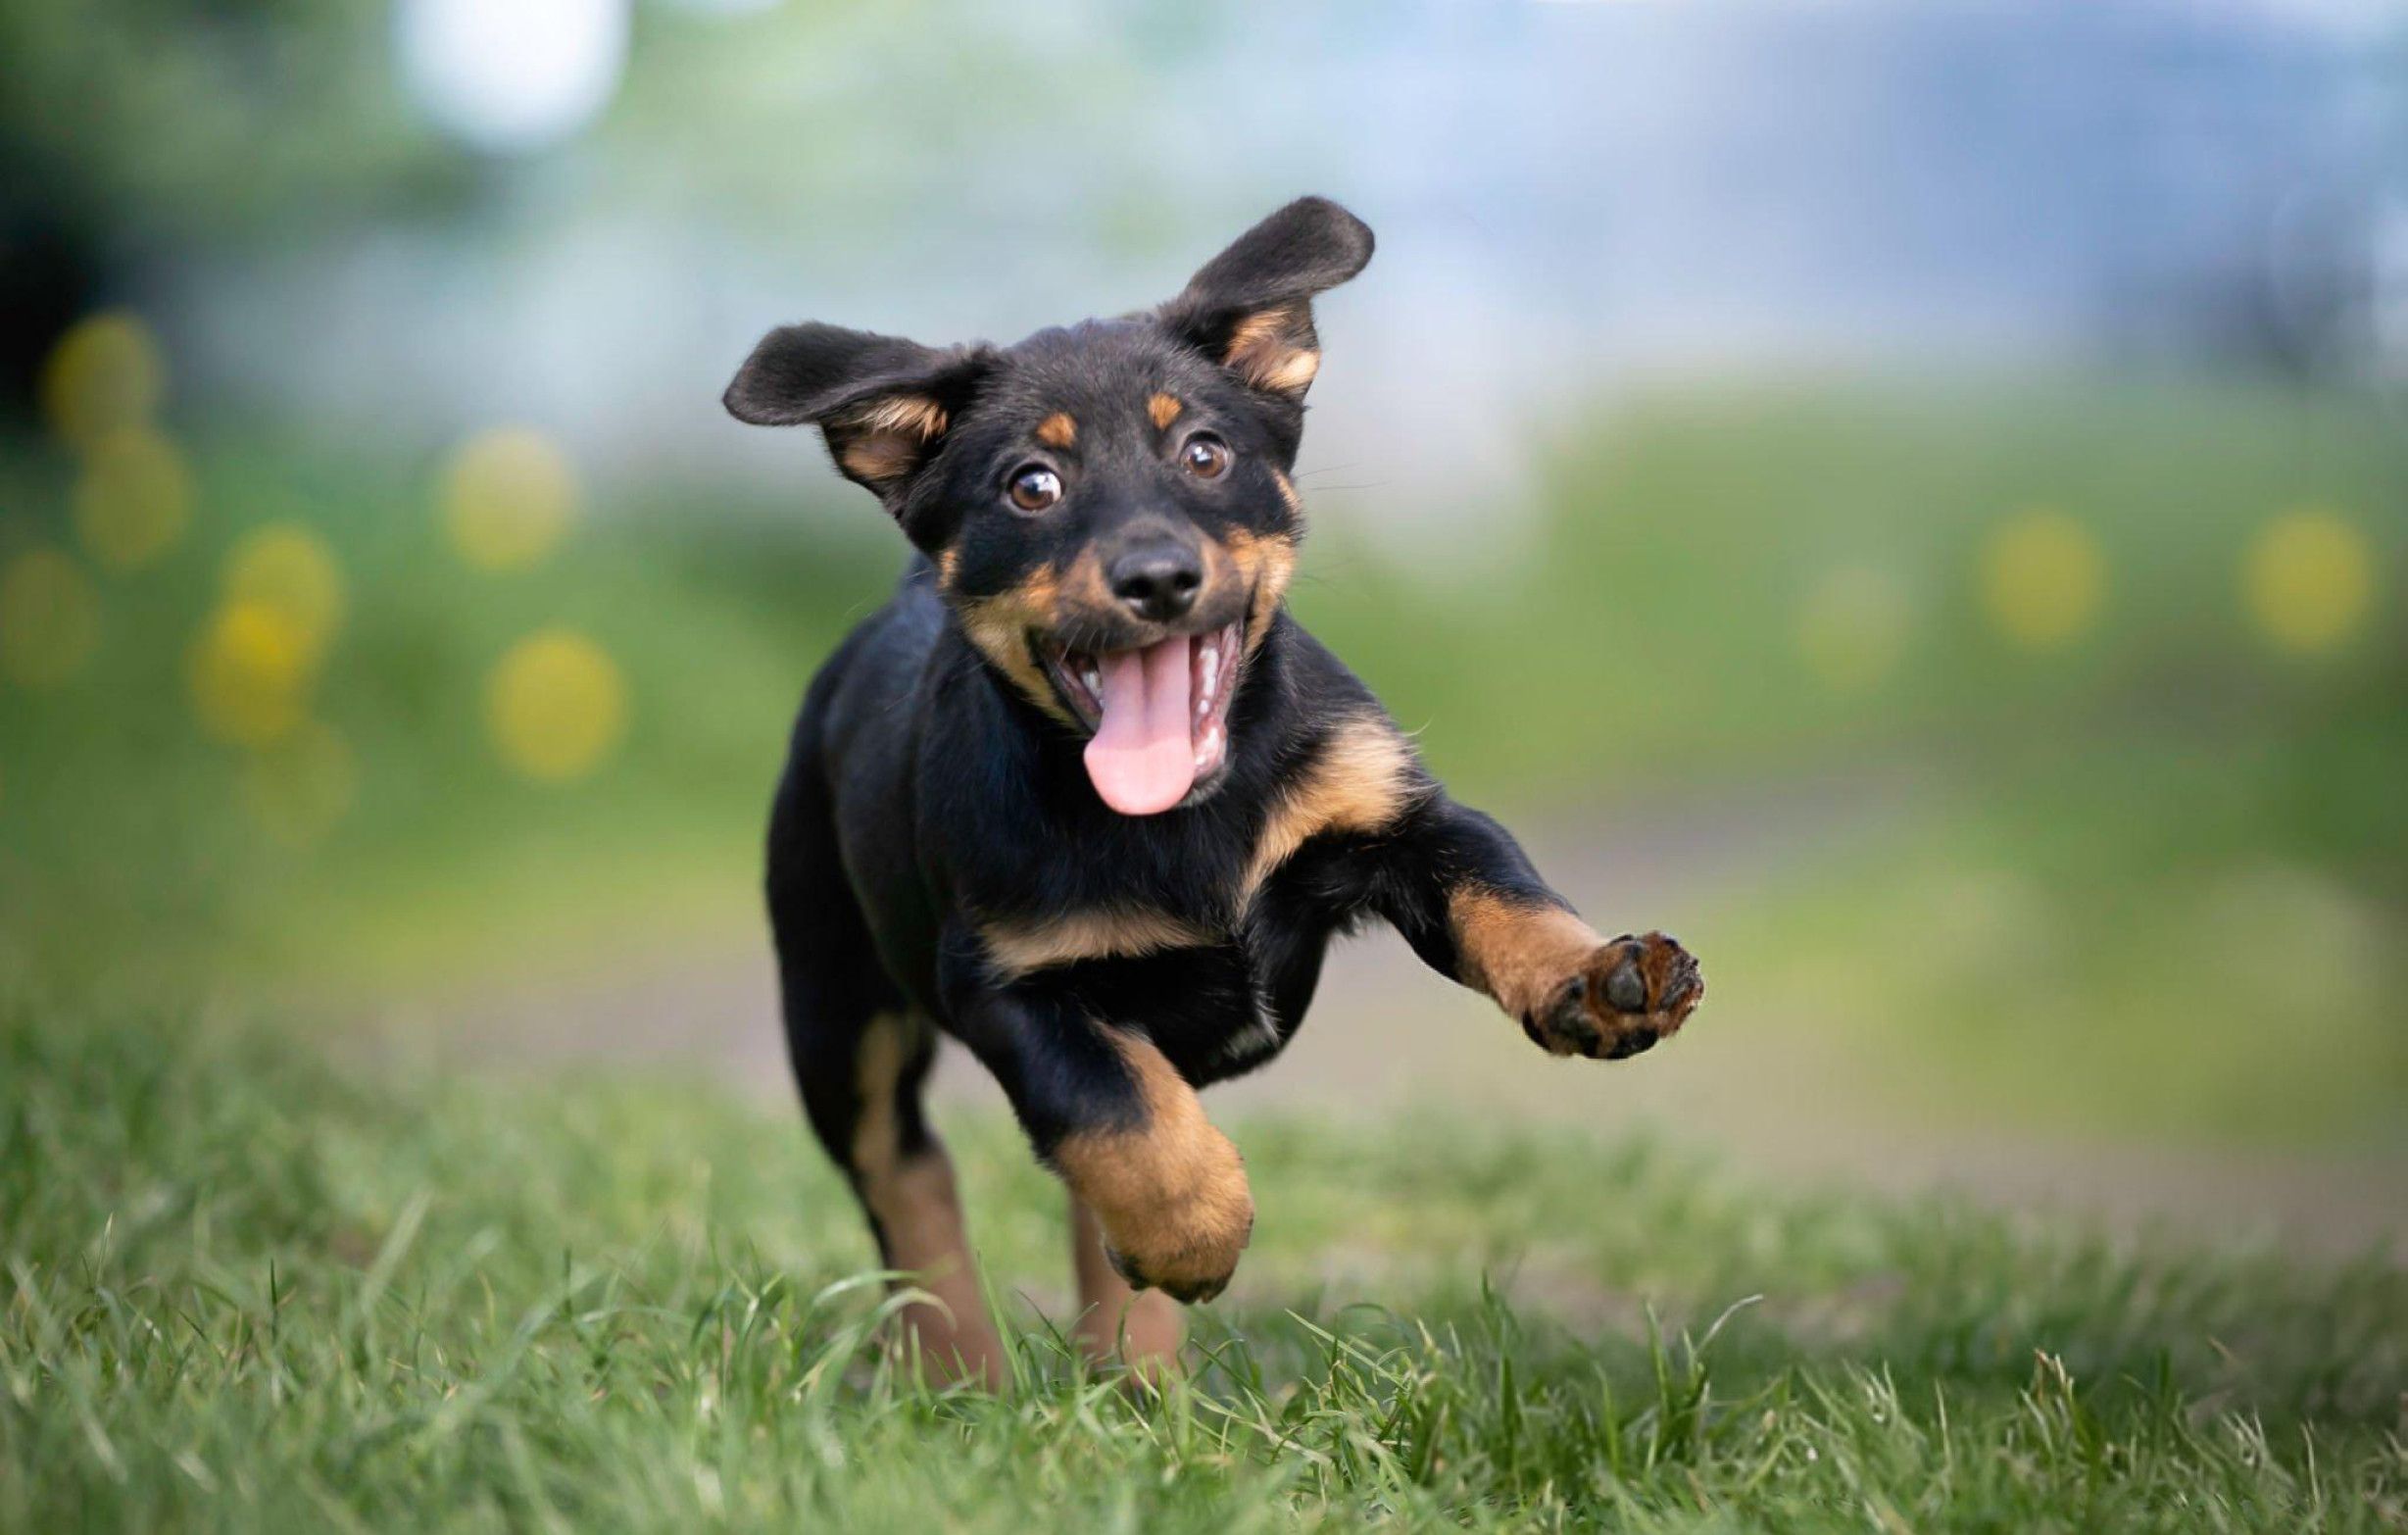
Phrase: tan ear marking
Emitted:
{"points": [[1289, 374], [881, 440], [913, 414], [1272, 349], [879, 456], [1058, 430], [1163, 409]]}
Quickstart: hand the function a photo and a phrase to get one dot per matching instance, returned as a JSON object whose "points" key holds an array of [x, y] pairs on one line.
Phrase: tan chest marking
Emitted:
{"points": [[1518, 952], [1364, 779], [1016, 948]]}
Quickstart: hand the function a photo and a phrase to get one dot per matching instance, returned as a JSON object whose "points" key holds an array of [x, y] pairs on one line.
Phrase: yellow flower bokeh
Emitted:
{"points": [[49, 618], [134, 498], [507, 497], [2044, 579], [103, 376], [2308, 580], [299, 787], [556, 705], [1852, 627], [251, 669], [286, 567]]}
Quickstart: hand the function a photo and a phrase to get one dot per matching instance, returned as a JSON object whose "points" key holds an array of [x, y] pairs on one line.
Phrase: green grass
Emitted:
{"points": [[243, 1288]]}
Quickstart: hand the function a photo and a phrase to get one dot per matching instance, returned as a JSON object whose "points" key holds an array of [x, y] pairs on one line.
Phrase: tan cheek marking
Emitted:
{"points": [[1084, 587], [948, 565], [1172, 1192], [1362, 780], [1163, 409], [1058, 430], [1287, 493], [998, 627], [1518, 952], [1267, 565], [1016, 948]]}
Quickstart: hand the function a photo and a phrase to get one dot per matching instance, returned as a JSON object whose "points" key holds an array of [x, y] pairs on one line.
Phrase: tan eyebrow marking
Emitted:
{"points": [[1164, 409], [1058, 430]]}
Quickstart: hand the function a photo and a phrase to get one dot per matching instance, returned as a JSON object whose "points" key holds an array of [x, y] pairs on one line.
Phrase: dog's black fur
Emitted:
{"points": [[939, 860]]}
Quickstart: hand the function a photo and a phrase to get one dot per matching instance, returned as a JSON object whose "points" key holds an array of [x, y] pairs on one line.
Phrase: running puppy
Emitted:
{"points": [[1085, 797]]}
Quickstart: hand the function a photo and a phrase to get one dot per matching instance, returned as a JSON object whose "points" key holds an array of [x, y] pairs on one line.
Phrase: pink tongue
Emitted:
{"points": [[1141, 759]]}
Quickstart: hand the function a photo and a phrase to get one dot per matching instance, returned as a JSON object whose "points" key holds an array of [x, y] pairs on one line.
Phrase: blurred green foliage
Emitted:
{"points": [[2167, 847]]}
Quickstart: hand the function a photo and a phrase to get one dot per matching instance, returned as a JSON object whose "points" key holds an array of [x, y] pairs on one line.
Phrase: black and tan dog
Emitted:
{"points": [[1085, 797]]}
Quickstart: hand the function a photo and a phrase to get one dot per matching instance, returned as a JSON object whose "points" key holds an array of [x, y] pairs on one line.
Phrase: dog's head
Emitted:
{"points": [[1107, 506]]}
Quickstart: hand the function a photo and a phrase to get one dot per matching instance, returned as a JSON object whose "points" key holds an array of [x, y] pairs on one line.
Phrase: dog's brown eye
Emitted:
{"points": [[1034, 487], [1205, 456]]}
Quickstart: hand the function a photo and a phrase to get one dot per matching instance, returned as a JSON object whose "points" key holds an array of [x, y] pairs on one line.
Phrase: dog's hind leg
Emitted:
{"points": [[1140, 1328], [860, 1056]]}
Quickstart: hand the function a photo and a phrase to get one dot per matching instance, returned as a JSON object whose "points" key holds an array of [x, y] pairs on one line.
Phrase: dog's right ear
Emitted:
{"points": [[1249, 308], [882, 403]]}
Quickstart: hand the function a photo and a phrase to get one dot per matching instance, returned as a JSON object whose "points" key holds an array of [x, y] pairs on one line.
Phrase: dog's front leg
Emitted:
{"points": [[1463, 894], [1111, 1114]]}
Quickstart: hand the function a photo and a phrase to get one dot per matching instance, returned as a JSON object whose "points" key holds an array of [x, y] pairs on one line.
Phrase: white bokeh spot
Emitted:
{"points": [[512, 75]]}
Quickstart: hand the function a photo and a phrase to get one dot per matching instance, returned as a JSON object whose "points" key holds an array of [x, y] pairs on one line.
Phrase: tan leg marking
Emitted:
{"points": [[1518, 952], [1364, 779], [1140, 1328], [1016, 948], [1058, 430], [919, 1219], [1162, 410], [1170, 1194]]}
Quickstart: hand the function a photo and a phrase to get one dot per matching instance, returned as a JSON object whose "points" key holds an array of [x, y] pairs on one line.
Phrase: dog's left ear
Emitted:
{"points": [[1250, 308], [884, 403]]}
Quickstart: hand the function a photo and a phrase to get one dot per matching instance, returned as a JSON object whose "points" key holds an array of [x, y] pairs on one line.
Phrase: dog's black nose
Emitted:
{"points": [[1159, 582]]}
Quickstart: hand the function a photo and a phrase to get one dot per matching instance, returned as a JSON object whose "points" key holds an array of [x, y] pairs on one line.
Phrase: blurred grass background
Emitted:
{"points": [[2163, 835], [1967, 523]]}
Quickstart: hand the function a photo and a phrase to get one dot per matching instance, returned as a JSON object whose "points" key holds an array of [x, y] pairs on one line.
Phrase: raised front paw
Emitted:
{"points": [[1187, 1249], [1628, 995]]}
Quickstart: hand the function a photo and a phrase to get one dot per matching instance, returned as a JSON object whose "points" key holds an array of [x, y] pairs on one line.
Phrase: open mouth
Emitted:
{"points": [[1159, 713]]}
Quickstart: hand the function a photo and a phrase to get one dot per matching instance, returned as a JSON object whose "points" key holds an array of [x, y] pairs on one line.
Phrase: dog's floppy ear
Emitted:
{"points": [[884, 403], [1250, 308]]}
